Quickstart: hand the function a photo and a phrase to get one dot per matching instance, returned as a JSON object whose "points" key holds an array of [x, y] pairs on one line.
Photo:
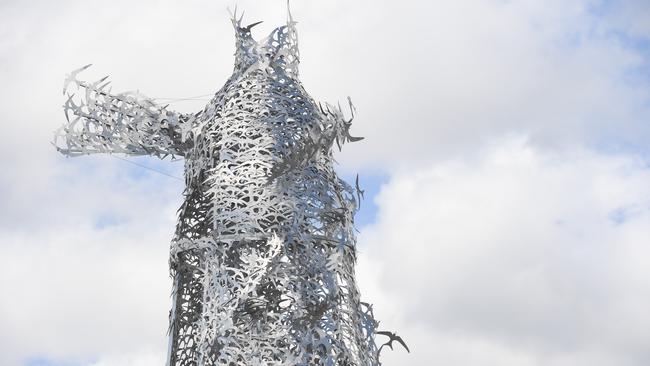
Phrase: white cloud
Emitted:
{"points": [[630, 16], [437, 79], [145, 357], [519, 257], [85, 265]]}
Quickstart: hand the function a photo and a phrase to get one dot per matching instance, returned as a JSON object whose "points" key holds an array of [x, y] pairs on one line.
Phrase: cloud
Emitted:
{"points": [[632, 17], [146, 357], [85, 266], [515, 255], [437, 79]]}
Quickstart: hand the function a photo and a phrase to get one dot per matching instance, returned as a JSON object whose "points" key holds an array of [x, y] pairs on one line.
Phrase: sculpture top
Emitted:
{"points": [[278, 50], [255, 142]]}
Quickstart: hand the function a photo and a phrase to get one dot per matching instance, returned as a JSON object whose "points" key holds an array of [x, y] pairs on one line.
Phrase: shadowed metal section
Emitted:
{"points": [[264, 251]]}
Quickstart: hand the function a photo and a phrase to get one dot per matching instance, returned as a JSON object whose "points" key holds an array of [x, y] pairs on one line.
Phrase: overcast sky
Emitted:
{"points": [[506, 163]]}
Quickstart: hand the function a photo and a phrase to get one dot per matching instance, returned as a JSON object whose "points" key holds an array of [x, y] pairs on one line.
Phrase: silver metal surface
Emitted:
{"points": [[264, 251]]}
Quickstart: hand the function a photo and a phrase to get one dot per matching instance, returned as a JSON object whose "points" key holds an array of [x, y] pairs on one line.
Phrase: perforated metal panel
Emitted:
{"points": [[264, 251]]}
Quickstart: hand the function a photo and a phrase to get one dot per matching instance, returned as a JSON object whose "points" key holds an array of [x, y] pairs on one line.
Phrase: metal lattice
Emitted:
{"points": [[264, 251]]}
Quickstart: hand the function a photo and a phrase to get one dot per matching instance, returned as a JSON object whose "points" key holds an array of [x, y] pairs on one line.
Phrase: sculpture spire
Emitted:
{"points": [[279, 50]]}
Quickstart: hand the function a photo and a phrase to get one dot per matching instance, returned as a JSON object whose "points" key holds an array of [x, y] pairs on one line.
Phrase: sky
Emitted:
{"points": [[506, 164]]}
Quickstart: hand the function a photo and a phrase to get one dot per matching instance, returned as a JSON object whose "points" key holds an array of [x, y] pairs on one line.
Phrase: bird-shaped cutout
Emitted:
{"points": [[391, 338]]}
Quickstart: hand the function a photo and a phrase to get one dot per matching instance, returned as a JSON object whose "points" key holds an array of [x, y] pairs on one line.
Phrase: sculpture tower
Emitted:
{"points": [[263, 256]]}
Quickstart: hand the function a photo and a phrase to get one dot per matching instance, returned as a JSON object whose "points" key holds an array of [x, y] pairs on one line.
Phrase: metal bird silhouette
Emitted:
{"points": [[72, 77], [250, 26], [392, 337], [360, 191]]}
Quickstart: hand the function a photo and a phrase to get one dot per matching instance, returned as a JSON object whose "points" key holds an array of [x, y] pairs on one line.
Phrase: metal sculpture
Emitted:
{"points": [[264, 251]]}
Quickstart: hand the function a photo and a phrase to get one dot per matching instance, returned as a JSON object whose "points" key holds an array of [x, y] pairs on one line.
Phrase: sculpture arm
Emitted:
{"points": [[128, 123]]}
